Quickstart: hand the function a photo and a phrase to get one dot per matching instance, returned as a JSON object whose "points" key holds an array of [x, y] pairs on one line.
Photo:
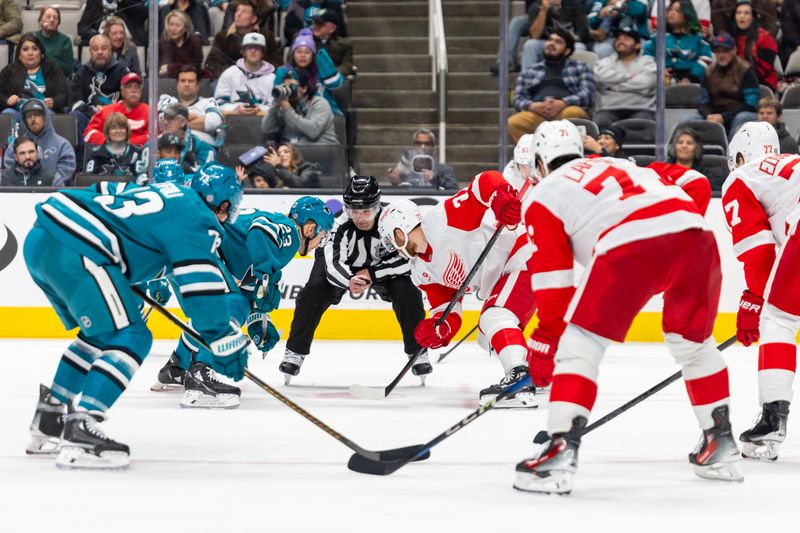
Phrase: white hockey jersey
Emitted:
{"points": [[760, 200], [457, 231]]}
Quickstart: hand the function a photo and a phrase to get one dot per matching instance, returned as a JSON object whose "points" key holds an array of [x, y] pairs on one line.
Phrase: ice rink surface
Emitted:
{"points": [[264, 468]]}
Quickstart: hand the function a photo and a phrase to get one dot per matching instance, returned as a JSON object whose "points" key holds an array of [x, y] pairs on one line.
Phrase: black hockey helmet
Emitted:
{"points": [[362, 192]]}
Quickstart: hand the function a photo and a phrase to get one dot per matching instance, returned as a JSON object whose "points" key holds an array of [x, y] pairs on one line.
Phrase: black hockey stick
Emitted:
{"points": [[385, 455], [373, 393], [445, 354]]}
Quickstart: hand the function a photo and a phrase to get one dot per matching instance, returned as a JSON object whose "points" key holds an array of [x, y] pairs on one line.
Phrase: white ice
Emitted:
{"points": [[265, 468]]}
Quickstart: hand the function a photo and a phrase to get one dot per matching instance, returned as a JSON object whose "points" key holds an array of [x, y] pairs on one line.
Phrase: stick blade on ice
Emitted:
{"points": [[367, 393], [401, 453], [365, 465]]}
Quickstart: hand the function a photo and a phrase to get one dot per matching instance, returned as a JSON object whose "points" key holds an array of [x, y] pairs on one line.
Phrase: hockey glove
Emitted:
{"points": [[506, 206], [267, 297], [230, 354], [429, 335], [261, 329], [541, 360], [159, 290], [748, 317]]}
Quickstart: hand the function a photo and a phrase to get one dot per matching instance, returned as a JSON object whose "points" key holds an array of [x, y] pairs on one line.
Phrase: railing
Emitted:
{"points": [[437, 49]]}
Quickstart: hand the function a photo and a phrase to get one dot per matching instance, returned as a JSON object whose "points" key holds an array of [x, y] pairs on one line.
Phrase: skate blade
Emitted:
{"points": [[522, 400], [193, 399], [77, 458], [558, 482], [422, 380], [287, 379], [43, 445], [165, 387], [761, 451], [720, 472]]}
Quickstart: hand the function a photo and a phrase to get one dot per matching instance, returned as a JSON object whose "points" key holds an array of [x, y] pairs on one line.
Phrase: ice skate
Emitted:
{"points": [[85, 446], [716, 455], [290, 366], [170, 377], [552, 469], [205, 391], [422, 366], [764, 439], [526, 397], [47, 424]]}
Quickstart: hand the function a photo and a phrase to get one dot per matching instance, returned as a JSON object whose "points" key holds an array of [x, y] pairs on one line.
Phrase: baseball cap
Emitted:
{"points": [[630, 32], [723, 41], [130, 77], [176, 109], [327, 15], [254, 39], [33, 105], [169, 139]]}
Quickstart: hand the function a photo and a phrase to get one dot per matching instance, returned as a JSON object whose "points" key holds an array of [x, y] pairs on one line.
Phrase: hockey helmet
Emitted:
{"points": [[522, 151], [555, 139], [216, 183], [168, 170], [403, 215], [753, 140], [362, 192], [308, 208]]}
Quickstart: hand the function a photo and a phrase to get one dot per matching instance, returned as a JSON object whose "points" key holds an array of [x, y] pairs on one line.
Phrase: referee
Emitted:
{"points": [[354, 259]]}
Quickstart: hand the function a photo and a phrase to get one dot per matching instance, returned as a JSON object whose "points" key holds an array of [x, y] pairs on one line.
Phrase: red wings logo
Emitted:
{"points": [[454, 272]]}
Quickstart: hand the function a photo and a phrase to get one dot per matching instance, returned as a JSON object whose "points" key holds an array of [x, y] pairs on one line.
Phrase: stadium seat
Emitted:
{"points": [[682, 95], [3, 56], [5, 127], [590, 58], [330, 158], [591, 128], [640, 135], [243, 130], [791, 98], [716, 169], [765, 92], [712, 135], [643, 160], [84, 180], [217, 19], [66, 126], [793, 66], [340, 125]]}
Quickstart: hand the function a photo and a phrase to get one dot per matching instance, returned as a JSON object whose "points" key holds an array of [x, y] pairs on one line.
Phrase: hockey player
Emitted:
{"points": [[636, 237], [85, 250], [518, 171], [255, 249], [444, 245], [355, 259], [760, 199]]}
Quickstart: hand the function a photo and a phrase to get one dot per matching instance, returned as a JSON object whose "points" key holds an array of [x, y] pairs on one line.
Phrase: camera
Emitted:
{"points": [[422, 162], [283, 92]]}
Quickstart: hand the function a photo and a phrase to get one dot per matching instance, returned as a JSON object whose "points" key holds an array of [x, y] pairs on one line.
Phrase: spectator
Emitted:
{"points": [[546, 16], [246, 87], [227, 47], [754, 44], [197, 12], [122, 49], [57, 46], [321, 71], [130, 105], [56, 153], [96, 12], [301, 12], [195, 152], [117, 156], [790, 30], [608, 16], [10, 22], [770, 110], [256, 177], [26, 170], [729, 91], [264, 10], [686, 149], [96, 83], [340, 49], [205, 116], [626, 82], [31, 76], [283, 167], [178, 45], [169, 147], [608, 144], [687, 54], [517, 28], [419, 166], [722, 11], [300, 115], [555, 88], [702, 9]]}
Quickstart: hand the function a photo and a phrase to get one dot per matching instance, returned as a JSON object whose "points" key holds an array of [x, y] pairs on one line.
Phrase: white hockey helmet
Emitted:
{"points": [[753, 140], [555, 139], [403, 215], [522, 151]]}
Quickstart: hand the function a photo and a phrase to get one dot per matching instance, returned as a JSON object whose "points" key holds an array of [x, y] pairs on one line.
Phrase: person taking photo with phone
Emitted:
{"points": [[419, 167]]}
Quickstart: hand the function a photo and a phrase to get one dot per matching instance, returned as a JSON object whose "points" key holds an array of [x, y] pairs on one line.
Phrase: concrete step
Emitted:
{"points": [[388, 26], [426, 116], [401, 135], [394, 98], [394, 63], [458, 99], [388, 45], [394, 8], [471, 26], [471, 45], [368, 154], [392, 81], [478, 63], [464, 81]]}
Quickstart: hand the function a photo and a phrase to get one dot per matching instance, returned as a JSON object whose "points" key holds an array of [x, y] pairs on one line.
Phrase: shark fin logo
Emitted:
{"points": [[8, 246]]}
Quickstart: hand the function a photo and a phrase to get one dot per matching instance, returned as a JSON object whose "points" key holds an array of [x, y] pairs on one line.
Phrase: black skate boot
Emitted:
{"points": [[205, 391], [47, 424], [717, 455], [290, 366], [170, 377], [422, 366], [552, 469], [85, 446], [764, 439], [525, 397]]}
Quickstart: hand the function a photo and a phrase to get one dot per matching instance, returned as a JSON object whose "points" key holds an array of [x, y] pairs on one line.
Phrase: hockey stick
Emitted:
{"points": [[374, 393], [385, 455], [445, 354]]}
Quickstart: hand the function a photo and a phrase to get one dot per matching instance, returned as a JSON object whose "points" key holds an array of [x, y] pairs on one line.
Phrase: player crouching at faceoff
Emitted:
{"points": [[760, 199], [444, 245], [620, 221], [255, 248], [85, 250]]}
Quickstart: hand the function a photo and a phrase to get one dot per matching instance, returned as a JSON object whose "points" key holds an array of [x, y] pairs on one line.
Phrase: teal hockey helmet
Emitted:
{"points": [[309, 208], [168, 170], [216, 183]]}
